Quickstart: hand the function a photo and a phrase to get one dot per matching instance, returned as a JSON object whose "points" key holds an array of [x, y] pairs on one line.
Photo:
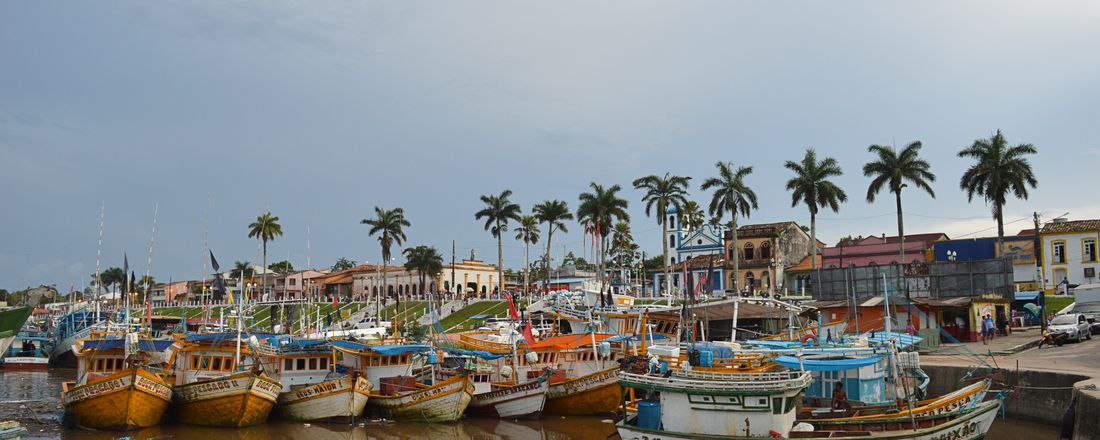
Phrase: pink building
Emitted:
{"points": [[880, 251]]}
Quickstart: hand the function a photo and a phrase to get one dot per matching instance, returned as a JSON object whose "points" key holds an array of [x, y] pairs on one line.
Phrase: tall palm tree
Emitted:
{"points": [[554, 213], [811, 185], [389, 226], [112, 276], [600, 209], [497, 212], [692, 215], [265, 228], [891, 169], [621, 241], [1000, 170], [426, 261], [663, 193], [731, 195], [241, 269], [528, 233]]}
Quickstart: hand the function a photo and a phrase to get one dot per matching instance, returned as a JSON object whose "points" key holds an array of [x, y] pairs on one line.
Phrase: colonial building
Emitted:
{"points": [[1069, 253], [880, 250], [1019, 248], [470, 277]]}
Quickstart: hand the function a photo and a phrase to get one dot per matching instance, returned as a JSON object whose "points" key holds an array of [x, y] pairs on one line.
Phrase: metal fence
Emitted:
{"points": [[926, 280]]}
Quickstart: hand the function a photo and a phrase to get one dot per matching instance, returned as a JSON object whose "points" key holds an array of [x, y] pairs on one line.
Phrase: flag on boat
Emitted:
{"points": [[528, 335], [511, 308], [214, 262]]}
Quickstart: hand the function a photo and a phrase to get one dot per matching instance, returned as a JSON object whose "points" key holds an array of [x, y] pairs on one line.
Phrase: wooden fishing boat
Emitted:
{"points": [[523, 401], [313, 390], [959, 400], [735, 407], [404, 385], [596, 393], [216, 387], [442, 402], [115, 391]]}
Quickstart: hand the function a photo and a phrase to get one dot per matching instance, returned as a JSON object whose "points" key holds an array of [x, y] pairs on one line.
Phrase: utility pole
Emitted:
{"points": [[1039, 274], [453, 286]]}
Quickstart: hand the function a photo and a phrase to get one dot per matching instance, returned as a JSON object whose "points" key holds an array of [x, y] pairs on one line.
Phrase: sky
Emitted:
{"points": [[213, 112]]}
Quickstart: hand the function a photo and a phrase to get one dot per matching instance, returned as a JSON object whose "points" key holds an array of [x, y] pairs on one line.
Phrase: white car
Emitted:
{"points": [[1074, 325]]}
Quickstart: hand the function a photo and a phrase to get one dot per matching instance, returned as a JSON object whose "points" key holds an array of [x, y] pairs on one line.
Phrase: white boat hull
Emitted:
{"points": [[524, 401], [335, 400], [971, 426], [444, 402]]}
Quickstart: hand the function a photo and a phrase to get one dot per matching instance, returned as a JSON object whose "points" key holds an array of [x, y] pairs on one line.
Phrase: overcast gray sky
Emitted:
{"points": [[318, 111]]}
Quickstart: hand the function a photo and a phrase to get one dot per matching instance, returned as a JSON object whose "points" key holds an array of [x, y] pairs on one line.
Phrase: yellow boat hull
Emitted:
{"points": [[597, 393], [443, 402], [242, 399], [130, 399]]}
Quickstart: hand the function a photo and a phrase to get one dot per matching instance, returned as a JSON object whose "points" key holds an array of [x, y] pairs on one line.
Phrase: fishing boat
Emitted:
{"points": [[522, 401], [405, 386], [71, 327], [119, 383], [218, 384], [754, 405], [314, 389], [11, 321], [28, 351]]}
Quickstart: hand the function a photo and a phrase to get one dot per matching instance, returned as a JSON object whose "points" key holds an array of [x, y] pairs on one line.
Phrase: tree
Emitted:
{"points": [[554, 213], [265, 228], [811, 186], [343, 264], [528, 233], [733, 196], [389, 226], [891, 170], [111, 277], [497, 212], [691, 215], [599, 210], [242, 269], [663, 193], [282, 267], [622, 246], [426, 261], [1000, 170]]}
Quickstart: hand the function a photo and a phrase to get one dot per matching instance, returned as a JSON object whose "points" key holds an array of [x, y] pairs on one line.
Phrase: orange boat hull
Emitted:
{"points": [[239, 400], [115, 403], [602, 397]]}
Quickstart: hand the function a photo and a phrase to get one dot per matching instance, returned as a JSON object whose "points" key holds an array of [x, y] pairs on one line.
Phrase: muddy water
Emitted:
{"points": [[33, 399]]}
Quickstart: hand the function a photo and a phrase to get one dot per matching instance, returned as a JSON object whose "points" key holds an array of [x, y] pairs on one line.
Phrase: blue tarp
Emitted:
{"points": [[481, 354], [775, 344], [826, 364], [224, 336], [718, 350], [904, 339], [110, 344], [385, 349]]}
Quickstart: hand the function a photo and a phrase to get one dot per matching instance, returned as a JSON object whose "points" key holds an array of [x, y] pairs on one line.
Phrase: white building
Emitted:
{"points": [[1069, 252]]}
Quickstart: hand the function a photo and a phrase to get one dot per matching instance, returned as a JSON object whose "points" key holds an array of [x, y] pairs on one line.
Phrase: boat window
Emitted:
{"points": [[288, 364], [229, 364], [195, 363], [99, 364], [217, 363], [313, 363], [205, 363], [324, 363], [301, 364]]}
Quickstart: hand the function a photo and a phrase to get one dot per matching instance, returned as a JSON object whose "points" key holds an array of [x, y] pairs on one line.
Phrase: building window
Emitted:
{"points": [[1059, 275], [766, 250], [672, 260], [1058, 252], [672, 241], [293, 282], [749, 280], [672, 221], [1088, 250], [748, 251]]}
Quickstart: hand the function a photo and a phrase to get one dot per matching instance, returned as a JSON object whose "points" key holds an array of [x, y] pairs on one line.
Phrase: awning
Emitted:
{"points": [[481, 354], [826, 364], [1027, 296], [110, 344], [384, 349]]}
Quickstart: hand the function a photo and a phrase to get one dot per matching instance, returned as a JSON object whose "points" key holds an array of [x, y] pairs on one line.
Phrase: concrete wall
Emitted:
{"points": [[1038, 396], [1086, 424]]}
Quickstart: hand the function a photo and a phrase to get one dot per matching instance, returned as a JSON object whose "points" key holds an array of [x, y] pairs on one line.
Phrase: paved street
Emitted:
{"points": [[1072, 357]]}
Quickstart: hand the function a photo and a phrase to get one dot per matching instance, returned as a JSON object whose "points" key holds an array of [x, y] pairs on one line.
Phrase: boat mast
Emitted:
{"points": [[98, 253], [148, 270]]}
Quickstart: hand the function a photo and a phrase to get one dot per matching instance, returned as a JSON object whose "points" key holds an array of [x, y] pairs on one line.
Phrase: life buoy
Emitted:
{"points": [[809, 340]]}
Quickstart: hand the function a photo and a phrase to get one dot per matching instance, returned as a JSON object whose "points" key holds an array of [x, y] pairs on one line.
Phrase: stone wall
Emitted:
{"points": [[1036, 396]]}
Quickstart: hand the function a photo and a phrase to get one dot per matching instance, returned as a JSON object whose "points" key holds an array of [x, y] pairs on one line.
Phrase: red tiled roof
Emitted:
{"points": [[1071, 226]]}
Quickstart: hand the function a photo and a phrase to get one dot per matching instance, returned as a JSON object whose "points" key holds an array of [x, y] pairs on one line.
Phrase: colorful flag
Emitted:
{"points": [[528, 335], [214, 262], [511, 307]]}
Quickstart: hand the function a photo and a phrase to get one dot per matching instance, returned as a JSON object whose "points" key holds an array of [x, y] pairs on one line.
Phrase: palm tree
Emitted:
{"points": [[891, 168], [692, 215], [390, 226], [1000, 170], [600, 209], [426, 261], [731, 195], [621, 242], [497, 212], [241, 269], [663, 192], [554, 213], [811, 185], [528, 233], [112, 276], [265, 228]]}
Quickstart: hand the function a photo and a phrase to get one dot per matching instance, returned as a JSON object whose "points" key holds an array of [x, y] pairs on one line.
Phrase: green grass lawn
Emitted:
{"points": [[460, 320], [1057, 303]]}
